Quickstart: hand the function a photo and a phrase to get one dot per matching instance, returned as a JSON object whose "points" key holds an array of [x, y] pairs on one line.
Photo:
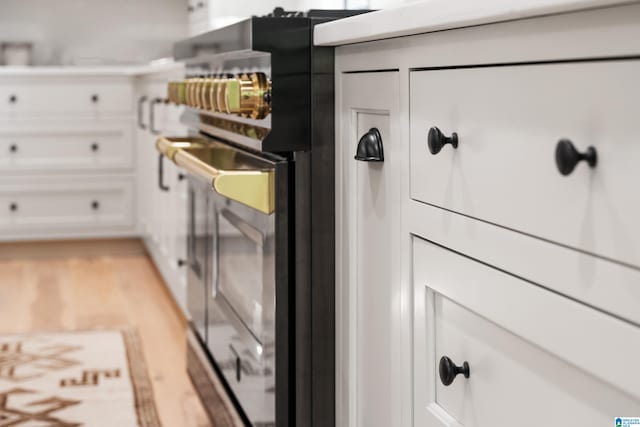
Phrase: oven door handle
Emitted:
{"points": [[219, 164]]}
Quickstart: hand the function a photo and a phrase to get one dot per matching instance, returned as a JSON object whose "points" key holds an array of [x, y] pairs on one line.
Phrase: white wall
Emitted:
{"points": [[84, 31], [321, 4], [377, 4]]}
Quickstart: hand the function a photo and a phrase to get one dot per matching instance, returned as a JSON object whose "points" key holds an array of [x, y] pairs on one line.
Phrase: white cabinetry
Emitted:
{"points": [[162, 211], [526, 348], [60, 207], [368, 256], [63, 145], [485, 252], [504, 169], [78, 160], [66, 155]]}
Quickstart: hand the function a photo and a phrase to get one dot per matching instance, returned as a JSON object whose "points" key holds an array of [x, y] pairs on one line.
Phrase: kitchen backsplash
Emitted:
{"points": [[97, 32]]}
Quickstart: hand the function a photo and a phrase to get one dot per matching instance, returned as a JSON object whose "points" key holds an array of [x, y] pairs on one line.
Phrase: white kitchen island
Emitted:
{"points": [[499, 228]]}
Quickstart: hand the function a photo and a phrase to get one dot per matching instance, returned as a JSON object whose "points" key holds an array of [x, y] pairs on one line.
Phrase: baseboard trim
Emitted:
{"points": [[71, 248]]}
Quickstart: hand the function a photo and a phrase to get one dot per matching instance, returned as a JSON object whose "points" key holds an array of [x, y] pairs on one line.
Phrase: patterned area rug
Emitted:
{"points": [[71, 379]]}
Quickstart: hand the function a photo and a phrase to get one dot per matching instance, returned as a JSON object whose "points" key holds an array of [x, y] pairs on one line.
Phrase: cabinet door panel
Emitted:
{"points": [[509, 122], [86, 96], [38, 207], [541, 350], [65, 146], [367, 227]]}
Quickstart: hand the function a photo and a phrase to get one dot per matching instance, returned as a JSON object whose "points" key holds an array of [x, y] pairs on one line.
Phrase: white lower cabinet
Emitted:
{"points": [[54, 207], [366, 309], [569, 367], [63, 146], [487, 267], [162, 204], [66, 155], [504, 169]]}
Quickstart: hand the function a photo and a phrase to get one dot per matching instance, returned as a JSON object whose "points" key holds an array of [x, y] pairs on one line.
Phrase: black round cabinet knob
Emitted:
{"points": [[449, 371], [13, 148], [370, 147], [567, 157], [181, 263], [13, 207], [13, 99], [95, 205], [436, 140], [94, 98], [95, 146]]}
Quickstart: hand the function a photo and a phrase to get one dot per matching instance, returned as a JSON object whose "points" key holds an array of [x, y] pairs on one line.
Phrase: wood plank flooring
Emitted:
{"points": [[106, 291]]}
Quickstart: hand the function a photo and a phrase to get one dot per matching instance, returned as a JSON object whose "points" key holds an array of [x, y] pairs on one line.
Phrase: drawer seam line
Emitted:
{"points": [[583, 303], [544, 239]]}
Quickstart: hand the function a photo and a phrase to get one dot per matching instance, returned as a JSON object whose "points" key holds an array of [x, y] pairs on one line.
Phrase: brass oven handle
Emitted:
{"points": [[252, 187]]}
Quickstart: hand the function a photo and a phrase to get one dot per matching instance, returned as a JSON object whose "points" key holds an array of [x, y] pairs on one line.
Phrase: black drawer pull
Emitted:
{"points": [[449, 371], [238, 363], [152, 114], [181, 176], [13, 148], [13, 207], [13, 99], [141, 102], [370, 147], [436, 140], [161, 184], [181, 263], [567, 157], [95, 205], [95, 146], [95, 98]]}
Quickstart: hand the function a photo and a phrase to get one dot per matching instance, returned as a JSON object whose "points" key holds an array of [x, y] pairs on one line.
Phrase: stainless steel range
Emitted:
{"points": [[260, 163]]}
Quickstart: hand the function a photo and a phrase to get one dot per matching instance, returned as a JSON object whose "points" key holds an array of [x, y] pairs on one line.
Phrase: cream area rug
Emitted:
{"points": [[72, 379]]}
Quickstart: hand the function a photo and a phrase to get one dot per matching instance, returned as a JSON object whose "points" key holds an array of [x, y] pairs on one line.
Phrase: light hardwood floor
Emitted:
{"points": [[101, 291]]}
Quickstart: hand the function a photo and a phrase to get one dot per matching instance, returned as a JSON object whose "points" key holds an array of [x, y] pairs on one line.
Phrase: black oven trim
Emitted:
{"points": [[285, 294], [315, 253]]}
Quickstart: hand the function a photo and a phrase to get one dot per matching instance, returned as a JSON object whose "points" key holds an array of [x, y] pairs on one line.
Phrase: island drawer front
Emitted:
{"points": [[64, 203], [52, 97], [509, 121], [525, 347], [66, 146]]}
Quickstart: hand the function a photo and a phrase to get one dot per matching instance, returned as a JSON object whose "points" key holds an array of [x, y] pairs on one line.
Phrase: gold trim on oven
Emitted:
{"points": [[233, 173]]}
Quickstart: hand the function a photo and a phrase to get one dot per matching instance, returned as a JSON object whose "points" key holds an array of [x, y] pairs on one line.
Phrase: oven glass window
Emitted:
{"points": [[246, 276]]}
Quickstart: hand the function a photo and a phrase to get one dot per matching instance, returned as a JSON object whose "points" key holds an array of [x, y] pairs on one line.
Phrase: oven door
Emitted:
{"points": [[246, 268], [241, 322]]}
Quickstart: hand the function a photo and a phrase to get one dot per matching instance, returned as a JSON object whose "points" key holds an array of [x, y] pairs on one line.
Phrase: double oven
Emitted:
{"points": [[259, 158]]}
